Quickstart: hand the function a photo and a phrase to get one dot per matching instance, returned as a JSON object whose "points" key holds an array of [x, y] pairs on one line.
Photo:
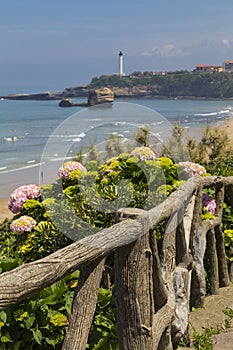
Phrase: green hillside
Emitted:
{"points": [[172, 84]]}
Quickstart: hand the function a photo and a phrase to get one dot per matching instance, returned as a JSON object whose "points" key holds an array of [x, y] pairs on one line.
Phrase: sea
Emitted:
{"points": [[37, 136]]}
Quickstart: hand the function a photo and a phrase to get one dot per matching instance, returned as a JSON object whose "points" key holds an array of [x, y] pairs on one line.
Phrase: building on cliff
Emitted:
{"points": [[228, 66], [210, 69]]}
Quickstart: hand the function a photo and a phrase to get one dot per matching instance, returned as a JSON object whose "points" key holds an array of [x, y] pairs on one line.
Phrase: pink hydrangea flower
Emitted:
{"points": [[193, 169], [65, 170], [21, 195], [209, 203], [144, 153], [23, 224]]}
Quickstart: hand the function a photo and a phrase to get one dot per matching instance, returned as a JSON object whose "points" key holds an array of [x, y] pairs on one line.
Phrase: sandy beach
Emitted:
{"points": [[227, 125], [9, 182], [4, 211]]}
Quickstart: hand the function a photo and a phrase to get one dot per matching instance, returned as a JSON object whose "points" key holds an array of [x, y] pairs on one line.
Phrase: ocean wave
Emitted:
{"points": [[157, 123], [59, 159], [11, 138], [69, 137], [18, 169], [62, 135], [77, 139], [225, 111]]}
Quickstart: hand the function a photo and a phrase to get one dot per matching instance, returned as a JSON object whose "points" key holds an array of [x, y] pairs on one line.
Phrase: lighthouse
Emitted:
{"points": [[121, 64]]}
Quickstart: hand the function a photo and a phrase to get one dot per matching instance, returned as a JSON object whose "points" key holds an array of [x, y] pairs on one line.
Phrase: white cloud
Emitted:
{"points": [[228, 43], [225, 43], [163, 51]]}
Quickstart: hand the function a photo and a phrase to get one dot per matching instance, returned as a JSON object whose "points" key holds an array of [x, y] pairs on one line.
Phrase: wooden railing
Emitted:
{"points": [[155, 289]]}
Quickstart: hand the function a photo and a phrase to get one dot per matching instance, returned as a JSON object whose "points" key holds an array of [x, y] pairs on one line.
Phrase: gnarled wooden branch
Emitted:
{"points": [[224, 279], [30, 278], [83, 308], [213, 262]]}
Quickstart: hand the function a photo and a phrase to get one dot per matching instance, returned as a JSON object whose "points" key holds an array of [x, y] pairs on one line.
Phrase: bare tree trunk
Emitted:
{"points": [[161, 327], [183, 257], [213, 262], [198, 245], [231, 265], [84, 305], [219, 199], [134, 295], [165, 341], [160, 291], [224, 279], [182, 275]]}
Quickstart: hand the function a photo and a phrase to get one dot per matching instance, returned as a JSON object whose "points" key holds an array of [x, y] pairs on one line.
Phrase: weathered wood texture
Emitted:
{"points": [[84, 307], [154, 290], [134, 295]]}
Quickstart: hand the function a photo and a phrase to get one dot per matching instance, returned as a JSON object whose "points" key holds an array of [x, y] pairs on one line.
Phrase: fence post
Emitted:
{"points": [[224, 279], [134, 292], [213, 262], [198, 245], [84, 305], [222, 262]]}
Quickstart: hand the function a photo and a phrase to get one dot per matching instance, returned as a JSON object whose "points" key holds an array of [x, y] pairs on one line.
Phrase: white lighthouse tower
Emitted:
{"points": [[121, 64]]}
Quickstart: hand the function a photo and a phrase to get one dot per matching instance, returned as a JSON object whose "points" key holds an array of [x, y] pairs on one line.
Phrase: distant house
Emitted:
{"points": [[228, 66], [209, 69]]}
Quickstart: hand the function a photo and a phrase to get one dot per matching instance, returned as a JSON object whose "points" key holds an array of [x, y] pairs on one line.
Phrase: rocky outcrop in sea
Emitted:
{"points": [[95, 97]]}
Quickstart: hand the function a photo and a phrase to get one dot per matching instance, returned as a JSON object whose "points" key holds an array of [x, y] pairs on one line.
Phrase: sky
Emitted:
{"points": [[53, 44]]}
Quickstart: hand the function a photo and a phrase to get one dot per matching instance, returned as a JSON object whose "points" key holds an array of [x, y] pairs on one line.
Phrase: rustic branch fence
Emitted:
{"points": [[155, 288]]}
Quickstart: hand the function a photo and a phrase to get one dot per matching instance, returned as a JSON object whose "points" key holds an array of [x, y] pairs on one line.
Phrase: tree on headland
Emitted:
{"points": [[114, 146], [93, 153], [214, 143], [142, 136], [176, 147]]}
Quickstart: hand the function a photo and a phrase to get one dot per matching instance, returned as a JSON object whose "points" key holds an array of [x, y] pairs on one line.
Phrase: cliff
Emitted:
{"points": [[100, 96], [173, 84], [170, 85], [180, 84], [95, 97]]}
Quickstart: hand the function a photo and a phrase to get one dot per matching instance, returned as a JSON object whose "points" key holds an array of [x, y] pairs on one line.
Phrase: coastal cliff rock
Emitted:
{"points": [[77, 91], [66, 102], [180, 84], [99, 96], [44, 96]]}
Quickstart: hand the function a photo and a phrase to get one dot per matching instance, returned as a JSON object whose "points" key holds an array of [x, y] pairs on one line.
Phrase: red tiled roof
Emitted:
{"points": [[208, 67]]}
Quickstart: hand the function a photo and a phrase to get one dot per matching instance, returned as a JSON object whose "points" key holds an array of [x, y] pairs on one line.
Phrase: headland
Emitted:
{"points": [[178, 84]]}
